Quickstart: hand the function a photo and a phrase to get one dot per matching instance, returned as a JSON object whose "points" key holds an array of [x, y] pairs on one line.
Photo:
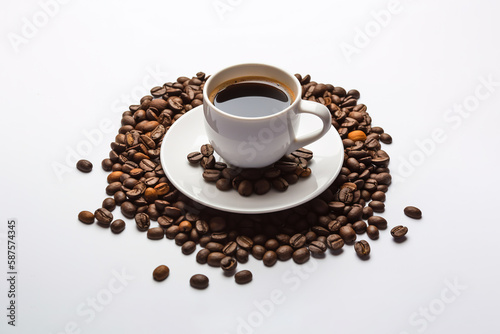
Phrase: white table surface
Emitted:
{"points": [[427, 70]]}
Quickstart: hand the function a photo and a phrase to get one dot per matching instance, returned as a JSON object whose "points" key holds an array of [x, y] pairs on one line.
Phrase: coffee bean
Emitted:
{"points": [[271, 244], [202, 256], [142, 221], [284, 252], [109, 204], [185, 226], [106, 164], [214, 246], [334, 226], [230, 248], [188, 247], [244, 242], [378, 221], [245, 188], [399, 231], [217, 224], [228, 264], [181, 238], [258, 251], [262, 186], [317, 247], [103, 217], [225, 184], [199, 281], [242, 255], [362, 248], [117, 226], [172, 231], [155, 233], [214, 259], [359, 227], [243, 277], [84, 166], [301, 255], [280, 184], [335, 242], [207, 150], [161, 273], [377, 206], [86, 217], [413, 212], [212, 175], [297, 241], [378, 196], [385, 138], [372, 232], [348, 234], [270, 258]]}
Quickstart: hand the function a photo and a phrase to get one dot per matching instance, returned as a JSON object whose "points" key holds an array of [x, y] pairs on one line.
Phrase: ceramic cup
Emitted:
{"points": [[254, 142]]}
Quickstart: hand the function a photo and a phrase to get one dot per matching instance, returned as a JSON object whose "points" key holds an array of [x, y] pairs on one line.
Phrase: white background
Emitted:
{"points": [[415, 68]]}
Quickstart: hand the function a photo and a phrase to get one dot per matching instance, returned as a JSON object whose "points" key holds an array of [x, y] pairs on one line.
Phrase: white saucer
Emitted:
{"points": [[188, 134]]}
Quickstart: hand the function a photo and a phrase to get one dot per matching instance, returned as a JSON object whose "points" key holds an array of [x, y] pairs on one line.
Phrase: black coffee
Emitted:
{"points": [[252, 99]]}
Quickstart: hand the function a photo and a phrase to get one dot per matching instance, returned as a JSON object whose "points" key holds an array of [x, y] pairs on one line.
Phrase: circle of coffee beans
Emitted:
{"points": [[138, 185]]}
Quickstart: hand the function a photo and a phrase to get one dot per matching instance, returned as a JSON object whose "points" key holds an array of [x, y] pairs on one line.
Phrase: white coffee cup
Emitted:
{"points": [[254, 142]]}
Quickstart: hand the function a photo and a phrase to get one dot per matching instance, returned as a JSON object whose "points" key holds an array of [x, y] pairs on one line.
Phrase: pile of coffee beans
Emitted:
{"points": [[248, 181], [337, 217]]}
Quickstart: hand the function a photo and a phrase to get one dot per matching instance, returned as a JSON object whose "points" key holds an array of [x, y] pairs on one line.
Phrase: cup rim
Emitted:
{"points": [[296, 90]]}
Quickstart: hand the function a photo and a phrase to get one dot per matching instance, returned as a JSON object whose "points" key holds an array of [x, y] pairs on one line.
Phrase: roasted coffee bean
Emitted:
{"points": [[214, 259], [271, 244], [117, 226], [317, 247], [303, 153], [245, 188], [86, 217], [378, 196], [181, 238], [207, 150], [107, 164], [188, 247], [284, 252], [228, 264], [142, 221], [214, 246], [219, 237], [270, 258], [224, 184], [301, 255], [202, 256], [367, 212], [128, 209], [378, 221], [202, 227], [242, 255], [283, 239], [334, 226], [161, 273], [199, 281], [155, 233], [262, 186], [399, 231], [280, 184], [413, 212], [359, 227], [258, 251], [207, 162], [297, 241], [172, 231], [377, 206], [112, 188], [372, 232], [103, 217], [362, 248], [230, 248], [205, 240], [244, 242], [109, 204], [84, 166], [335, 242], [243, 277], [348, 234], [385, 138], [185, 226], [212, 175]]}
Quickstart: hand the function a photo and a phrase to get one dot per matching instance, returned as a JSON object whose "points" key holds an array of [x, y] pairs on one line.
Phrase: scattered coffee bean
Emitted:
{"points": [[109, 204], [142, 221], [284, 252], [378, 221], [103, 217], [270, 257], [228, 264], [362, 248], [399, 231], [199, 281], [214, 259], [372, 232], [84, 166], [117, 226], [413, 212], [317, 247], [301, 255], [242, 256], [243, 277], [86, 217], [188, 247], [202, 256], [161, 273], [335, 242], [348, 234]]}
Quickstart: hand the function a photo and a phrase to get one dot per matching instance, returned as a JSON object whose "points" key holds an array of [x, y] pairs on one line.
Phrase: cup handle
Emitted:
{"points": [[310, 107]]}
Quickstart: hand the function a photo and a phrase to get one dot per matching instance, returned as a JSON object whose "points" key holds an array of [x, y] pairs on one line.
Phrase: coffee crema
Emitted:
{"points": [[252, 97]]}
